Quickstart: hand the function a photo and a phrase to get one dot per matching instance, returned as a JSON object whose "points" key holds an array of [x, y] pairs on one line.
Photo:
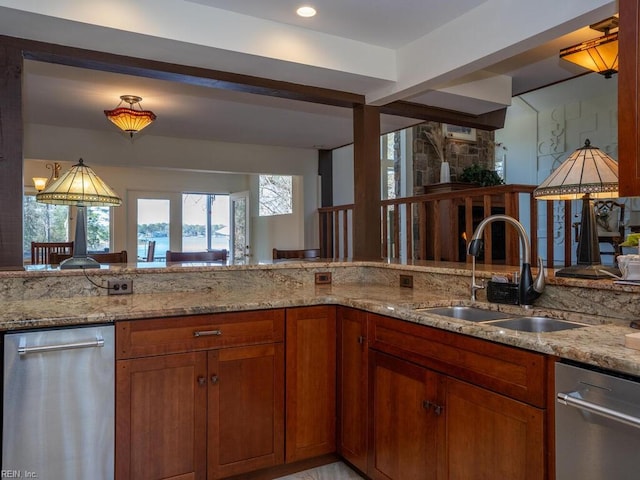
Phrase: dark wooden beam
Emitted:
{"points": [[629, 99], [11, 165], [366, 179], [487, 121], [325, 170], [108, 62]]}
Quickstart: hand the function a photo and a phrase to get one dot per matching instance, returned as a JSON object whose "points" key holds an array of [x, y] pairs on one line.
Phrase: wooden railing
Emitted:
{"points": [[436, 226], [335, 231]]}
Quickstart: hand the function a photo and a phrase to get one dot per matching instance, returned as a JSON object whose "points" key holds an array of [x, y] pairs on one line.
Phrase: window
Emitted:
{"points": [[153, 224], [98, 229], [205, 222], [43, 222], [275, 195]]}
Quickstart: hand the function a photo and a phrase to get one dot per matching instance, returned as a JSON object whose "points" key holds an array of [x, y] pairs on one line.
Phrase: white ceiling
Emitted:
{"points": [[389, 24], [73, 97]]}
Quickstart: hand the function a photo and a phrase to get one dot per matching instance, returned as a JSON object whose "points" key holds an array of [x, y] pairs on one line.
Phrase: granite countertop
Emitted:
{"points": [[601, 344]]}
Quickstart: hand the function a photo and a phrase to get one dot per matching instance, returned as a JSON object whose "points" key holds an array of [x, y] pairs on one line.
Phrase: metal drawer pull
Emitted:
{"points": [[24, 350], [426, 404], [202, 381], [207, 333], [570, 400], [214, 379]]}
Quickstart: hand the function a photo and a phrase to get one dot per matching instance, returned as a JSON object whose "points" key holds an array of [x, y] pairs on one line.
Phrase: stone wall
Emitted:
{"points": [[431, 146]]}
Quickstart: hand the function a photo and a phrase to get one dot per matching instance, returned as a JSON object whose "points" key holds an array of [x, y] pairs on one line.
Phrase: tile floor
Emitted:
{"points": [[332, 471]]}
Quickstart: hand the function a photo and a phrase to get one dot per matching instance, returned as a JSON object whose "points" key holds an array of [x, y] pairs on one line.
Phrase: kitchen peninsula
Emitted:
{"points": [[45, 297], [272, 315]]}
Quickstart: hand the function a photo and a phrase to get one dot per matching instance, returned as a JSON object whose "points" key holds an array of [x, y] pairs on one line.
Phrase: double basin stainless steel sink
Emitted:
{"points": [[509, 321]]}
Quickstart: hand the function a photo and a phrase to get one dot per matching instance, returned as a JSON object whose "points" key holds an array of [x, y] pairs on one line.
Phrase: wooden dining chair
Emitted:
{"points": [[301, 254], [151, 251], [107, 257], [206, 256], [41, 251]]}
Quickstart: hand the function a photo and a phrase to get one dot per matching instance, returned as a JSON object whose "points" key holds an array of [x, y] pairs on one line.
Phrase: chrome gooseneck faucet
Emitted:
{"points": [[528, 289]]}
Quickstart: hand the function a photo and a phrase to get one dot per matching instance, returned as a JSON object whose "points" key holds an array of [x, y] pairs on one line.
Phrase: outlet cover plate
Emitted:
{"points": [[120, 287], [323, 278]]}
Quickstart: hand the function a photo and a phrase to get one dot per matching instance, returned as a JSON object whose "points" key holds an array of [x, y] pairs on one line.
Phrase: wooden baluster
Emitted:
{"points": [[409, 229], [468, 223], [345, 232], [396, 231], [512, 247], [567, 233], [533, 209], [385, 231], [488, 238], [550, 252], [422, 230], [436, 234]]}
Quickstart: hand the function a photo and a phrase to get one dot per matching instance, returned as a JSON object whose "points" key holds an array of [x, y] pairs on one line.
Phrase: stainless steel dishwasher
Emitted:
{"points": [[58, 412], [597, 424]]}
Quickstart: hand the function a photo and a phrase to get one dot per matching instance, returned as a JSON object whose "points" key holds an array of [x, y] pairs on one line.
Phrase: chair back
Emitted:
{"points": [[107, 257], [301, 254], [609, 218], [207, 256], [151, 250], [41, 251]]}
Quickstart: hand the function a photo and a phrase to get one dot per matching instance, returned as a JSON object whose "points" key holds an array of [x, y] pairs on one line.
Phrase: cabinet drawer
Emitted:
{"points": [[514, 372], [160, 336]]}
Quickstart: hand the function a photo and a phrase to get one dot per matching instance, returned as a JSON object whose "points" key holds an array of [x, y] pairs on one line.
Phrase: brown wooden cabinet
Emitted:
{"points": [[405, 435], [190, 404], [447, 406], [311, 382], [161, 417], [352, 386], [246, 409], [492, 436]]}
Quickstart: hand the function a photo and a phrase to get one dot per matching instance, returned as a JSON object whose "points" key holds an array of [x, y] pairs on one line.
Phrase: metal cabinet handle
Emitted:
{"points": [[214, 379], [361, 339], [207, 333], [426, 404], [571, 400], [202, 381], [24, 350]]}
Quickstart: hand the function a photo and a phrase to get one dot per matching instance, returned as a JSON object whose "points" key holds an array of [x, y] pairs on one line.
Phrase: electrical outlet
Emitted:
{"points": [[406, 281], [323, 278], [119, 287]]}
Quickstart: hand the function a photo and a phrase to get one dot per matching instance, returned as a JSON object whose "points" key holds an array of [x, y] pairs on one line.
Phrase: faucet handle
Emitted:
{"points": [[539, 282]]}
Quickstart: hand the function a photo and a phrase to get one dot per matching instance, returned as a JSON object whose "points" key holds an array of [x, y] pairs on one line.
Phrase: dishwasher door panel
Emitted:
{"points": [[595, 434], [58, 417]]}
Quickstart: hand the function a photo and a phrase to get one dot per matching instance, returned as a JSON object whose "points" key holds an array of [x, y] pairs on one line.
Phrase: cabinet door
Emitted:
{"points": [[246, 409], [311, 382], [491, 436], [352, 386], [406, 419], [161, 407]]}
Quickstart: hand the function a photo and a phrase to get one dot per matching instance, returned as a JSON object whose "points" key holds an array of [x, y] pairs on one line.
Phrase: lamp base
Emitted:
{"points": [[79, 262], [594, 272]]}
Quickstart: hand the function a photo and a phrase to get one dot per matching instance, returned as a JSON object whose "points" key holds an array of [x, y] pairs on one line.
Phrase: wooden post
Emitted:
{"points": [[366, 175], [11, 167]]}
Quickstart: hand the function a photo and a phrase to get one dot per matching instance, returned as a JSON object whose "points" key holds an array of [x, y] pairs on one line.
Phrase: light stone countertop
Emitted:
{"points": [[601, 344]]}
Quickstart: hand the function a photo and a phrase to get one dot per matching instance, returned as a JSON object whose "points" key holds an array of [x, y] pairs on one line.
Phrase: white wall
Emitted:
{"points": [[173, 165], [342, 164], [544, 127], [278, 231]]}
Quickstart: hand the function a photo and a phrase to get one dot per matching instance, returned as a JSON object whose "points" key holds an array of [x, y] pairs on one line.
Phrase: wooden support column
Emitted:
{"points": [[629, 99], [366, 180], [11, 165]]}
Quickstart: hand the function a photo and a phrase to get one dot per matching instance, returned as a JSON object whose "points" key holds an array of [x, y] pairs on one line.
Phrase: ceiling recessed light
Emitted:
{"points": [[306, 11]]}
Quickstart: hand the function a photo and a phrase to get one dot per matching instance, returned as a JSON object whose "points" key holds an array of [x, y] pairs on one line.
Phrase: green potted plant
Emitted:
{"points": [[481, 176]]}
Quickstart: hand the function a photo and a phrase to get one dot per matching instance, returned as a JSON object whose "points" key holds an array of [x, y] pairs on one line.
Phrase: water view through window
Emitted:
{"points": [[205, 224]]}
